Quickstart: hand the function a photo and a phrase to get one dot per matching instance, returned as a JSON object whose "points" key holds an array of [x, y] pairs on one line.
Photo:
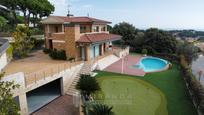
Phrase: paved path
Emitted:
{"points": [[37, 61], [61, 106], [129, 61]]}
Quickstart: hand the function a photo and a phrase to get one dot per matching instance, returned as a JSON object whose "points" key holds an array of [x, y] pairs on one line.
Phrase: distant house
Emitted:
{"points": [[83, 38], [4, 44]]}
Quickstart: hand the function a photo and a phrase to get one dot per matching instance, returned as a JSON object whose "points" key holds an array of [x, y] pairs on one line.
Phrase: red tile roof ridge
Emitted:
{"points": [[88, 37], [75, 17]]}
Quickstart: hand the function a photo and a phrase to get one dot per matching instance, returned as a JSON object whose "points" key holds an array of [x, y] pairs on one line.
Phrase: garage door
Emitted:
{"points": [[41, 96]]}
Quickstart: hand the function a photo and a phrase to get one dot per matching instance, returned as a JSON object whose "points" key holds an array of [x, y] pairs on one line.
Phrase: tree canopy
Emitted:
{"points": [[126, 30], [160, 41], [38, 8], [153, 39], [22, 42], [188, 50], [2, 22]]}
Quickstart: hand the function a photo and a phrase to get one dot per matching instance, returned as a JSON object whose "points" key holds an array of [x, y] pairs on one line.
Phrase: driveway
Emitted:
{"points": [[60, 106]]}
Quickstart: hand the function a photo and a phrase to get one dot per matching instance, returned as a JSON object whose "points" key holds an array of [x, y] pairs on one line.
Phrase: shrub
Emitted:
{"points": [[188, 50], [144, 51], [36, 31], [100, 109], [7, 103], [149, 49], [58, 54], [38, 43], [46, 51], [194, 86], [22, 42], [87, 85], [197, 91], [9, 52]]}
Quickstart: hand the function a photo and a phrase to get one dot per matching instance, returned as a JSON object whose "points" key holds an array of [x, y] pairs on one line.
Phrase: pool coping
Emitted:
{"points": [[160, 70]]}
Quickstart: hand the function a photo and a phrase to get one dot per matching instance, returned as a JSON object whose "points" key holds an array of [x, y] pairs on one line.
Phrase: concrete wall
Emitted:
{"points": [[3, 60], [19, 78], [123, 52]]}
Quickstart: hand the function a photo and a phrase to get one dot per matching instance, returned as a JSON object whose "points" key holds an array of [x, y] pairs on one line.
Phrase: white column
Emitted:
{"points": [[62, 85]]}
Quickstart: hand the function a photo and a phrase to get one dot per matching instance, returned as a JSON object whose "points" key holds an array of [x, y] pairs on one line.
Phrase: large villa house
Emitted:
{"points": [[43, 79], [83, 38]]}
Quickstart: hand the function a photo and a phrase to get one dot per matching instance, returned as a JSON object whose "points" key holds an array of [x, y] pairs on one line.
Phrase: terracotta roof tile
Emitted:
{"points": [[97, 37], [77, 19]]}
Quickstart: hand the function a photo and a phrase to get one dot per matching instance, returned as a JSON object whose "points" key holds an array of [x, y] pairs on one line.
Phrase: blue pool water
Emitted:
{"points": [[150, 64]]}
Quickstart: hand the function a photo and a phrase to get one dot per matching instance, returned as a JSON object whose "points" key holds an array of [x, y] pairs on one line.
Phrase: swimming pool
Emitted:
{"points": [[152, 64]]}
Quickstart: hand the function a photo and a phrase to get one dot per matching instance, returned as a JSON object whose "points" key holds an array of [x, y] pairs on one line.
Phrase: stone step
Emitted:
{"points": [[86, 69]]}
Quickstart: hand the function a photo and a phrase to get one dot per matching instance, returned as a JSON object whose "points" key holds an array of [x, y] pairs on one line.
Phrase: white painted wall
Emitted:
{"points": [[3, 60], [105, 62]]}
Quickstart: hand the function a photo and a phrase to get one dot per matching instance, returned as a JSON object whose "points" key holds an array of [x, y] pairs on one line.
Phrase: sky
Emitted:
{"points": [[163, 14]]}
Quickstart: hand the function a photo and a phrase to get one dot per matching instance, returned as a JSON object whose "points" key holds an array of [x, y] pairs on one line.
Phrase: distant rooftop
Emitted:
{"points": [[66, 19]]}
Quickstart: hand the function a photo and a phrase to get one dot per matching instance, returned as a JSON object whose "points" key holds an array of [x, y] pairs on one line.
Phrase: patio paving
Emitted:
{"points": [[60, 106], [129, 61], [37, 61]]}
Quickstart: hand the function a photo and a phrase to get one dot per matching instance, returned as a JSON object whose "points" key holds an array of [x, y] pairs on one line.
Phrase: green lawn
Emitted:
{"points": [[159, 93]]}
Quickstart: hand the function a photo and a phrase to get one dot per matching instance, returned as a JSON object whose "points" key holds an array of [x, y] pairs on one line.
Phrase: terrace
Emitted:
{"points": [[37, 66]]}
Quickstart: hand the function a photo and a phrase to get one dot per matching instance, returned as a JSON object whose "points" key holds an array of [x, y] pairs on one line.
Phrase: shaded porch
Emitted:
{"points": [[88, 52]]}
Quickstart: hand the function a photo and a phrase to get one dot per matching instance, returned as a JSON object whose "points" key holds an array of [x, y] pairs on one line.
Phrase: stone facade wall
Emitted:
{"points": [[58, 41], [59, 45], [88, 27], [58, 36], [52, 28], [70, 44]]}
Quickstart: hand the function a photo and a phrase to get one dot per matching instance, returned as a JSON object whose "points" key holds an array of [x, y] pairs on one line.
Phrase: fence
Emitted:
{"points": [[48, 72]]}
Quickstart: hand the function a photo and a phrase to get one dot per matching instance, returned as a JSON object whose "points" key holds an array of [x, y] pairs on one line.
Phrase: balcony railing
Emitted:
{"points": [[58, 35], [48, 72]]}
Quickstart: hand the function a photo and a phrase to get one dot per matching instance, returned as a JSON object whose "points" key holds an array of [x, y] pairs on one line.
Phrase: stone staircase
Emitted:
{"points": [[86, 69]]}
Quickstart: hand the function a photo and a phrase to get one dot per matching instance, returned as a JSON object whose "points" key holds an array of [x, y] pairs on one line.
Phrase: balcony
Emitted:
{"points": [[56, 36]]}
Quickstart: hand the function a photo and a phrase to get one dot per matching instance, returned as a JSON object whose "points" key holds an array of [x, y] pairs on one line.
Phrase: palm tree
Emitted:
{"points": [[100, 109], [87, 85]]}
